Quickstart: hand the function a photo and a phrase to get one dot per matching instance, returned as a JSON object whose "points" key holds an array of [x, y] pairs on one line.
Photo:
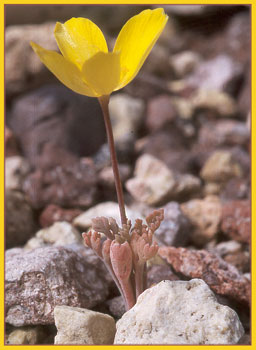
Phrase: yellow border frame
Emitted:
{"points": [[253, 149]]}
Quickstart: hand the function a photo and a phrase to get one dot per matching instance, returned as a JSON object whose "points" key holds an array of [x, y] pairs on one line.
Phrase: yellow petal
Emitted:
{"points": [[102, 72], [79, 39], [136, 40], [65, 71]]}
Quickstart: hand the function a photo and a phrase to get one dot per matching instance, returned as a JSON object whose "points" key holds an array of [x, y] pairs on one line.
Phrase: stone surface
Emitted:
{"points": [[20, 223], [38, 280], [16, 169], [222, 278], [116, 306], [107, 209], [53, 213], [10, 143], [69, 185], [27, 336], [179, 312], [220, 167], [59, 234], [158, 273], [68, 120], [160, 111], [236, 188], [175, 229], [236, 220], [219, 103], [205, 215], [86, 327], [185, 62]]}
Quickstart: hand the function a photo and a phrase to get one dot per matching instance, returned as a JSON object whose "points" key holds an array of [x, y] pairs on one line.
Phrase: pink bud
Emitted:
{"points": [[87, 238], [121, 259]]}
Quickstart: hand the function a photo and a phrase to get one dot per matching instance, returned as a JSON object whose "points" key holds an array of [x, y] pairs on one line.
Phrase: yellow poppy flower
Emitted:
{"points": [[87, 67]]}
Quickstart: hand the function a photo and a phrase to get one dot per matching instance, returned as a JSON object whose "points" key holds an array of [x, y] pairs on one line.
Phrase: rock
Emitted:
{"points": [[160, 111], [72, 185], [186, 185], [106, 175], [16, 169], [116, 306], [126, 115], [220, 167], [59, 234], [107, 209], [87, 327], [27, 336], [236, 188], [153, 181], [219, 73], [53, 213], [11, 143], [23, 68], [19, 220], [215, 101], [236, 220], [158, 63], [234, 253], [185, 62], [158, 273], [222, 278], [205, 215], [68, 120], [179, 312], [38, 280], [175, 229]]}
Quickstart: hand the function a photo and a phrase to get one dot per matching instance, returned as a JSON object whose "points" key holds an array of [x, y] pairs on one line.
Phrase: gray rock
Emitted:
{"points": [[16, 169], [82, 326], [19, 220], [179, 312], [175, 229], [38, 280]]}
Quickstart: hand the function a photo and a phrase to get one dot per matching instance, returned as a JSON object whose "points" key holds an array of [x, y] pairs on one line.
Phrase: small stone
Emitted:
{"points": [[86, 327], [185, 62], [27, 336], [38, 280], [53, 213], [106, 175], [158, 273], [16, 169], [19, 221], [160, 111], [179, 312], [59, 234], [236, 220], [107, 209], [220, 103], [205, 215], [116, 306], [126, 115], [236, 188], [153, 181], [222, 278], [11, 144], [220, 167], [175, 229]]}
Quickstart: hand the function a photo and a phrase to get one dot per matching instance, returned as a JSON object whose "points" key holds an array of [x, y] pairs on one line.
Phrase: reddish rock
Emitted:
{"points": [[160, 112], [236, 220], [53, 213], [68, 186], [11, 143], [38, 280], [222, 278]]}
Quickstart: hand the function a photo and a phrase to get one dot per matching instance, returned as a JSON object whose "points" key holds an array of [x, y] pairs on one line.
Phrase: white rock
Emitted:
{"points": [[82, 326], [27, 335], [16, 168], [184, 62], [60, 233], [153, 180], [107, 209], [179, 312], [126, 115]]}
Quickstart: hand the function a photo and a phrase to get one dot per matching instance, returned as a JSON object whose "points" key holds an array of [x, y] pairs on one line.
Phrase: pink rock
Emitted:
{"points": [[53, 213], [222, 278]]}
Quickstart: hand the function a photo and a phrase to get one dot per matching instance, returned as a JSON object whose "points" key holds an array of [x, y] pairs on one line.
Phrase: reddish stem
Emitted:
{"points": [[104, 101]]}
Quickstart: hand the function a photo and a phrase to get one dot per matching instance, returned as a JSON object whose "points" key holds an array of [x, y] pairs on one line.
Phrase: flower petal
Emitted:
{"points": [[135, 41], [79, 39], [65, 71], [102, 72]]}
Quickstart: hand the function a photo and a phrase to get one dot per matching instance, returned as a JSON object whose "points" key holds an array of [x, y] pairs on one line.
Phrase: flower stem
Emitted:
{"points": [[104, 101]]}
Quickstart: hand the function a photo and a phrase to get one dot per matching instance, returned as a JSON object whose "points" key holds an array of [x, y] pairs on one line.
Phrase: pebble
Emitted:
{"points": [[82, 326], [222, 278], [16, 169], [53, 213], [185, 62], [27, 336], [179, 312]]}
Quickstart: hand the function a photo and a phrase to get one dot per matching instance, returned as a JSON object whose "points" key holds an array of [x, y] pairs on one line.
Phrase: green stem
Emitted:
{"points": [[104, 101]]}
